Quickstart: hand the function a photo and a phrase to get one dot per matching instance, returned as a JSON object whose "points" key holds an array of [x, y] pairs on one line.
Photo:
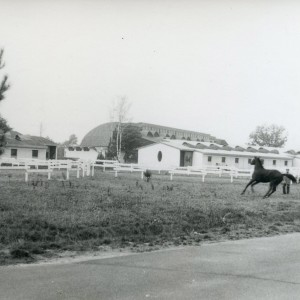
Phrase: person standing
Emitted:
{"points": [[286, 183]]}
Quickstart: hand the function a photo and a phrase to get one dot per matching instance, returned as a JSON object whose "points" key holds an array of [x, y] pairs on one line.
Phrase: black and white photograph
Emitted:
{"points": [[149, 149]]}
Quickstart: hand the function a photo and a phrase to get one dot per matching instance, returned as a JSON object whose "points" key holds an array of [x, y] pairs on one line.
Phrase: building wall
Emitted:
{"points": [[198, 159], [177, 133], [244, 164], [148, 157], [90, 155], [24, 153], [296, 162]]}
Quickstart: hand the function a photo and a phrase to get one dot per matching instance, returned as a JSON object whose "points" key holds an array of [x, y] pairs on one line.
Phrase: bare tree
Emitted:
{"points": [[119, 114], [4, 86]]}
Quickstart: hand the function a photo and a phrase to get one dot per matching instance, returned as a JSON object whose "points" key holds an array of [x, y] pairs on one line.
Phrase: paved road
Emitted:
{"points": [[265, 268]]}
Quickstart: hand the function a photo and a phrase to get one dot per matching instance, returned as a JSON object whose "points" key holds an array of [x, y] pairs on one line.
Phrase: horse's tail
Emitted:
{"points": [[290, 176]]}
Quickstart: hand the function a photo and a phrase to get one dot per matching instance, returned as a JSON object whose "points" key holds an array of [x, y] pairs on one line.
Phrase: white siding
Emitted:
{"points": [[198, 159], [25, 153], [148, 157], [90, 155], [243, 162], [296, 162]]}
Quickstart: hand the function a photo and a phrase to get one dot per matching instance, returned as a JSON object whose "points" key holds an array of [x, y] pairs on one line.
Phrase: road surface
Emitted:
{"points": [[262, 268]]}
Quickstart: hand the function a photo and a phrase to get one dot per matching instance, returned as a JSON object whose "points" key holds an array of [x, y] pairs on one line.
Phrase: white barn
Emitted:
{"points": [[170, 154], [22, 146], [76, 152]]}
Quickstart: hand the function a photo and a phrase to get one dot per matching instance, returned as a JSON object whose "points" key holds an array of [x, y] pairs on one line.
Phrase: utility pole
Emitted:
{"points": [[41, 129]]}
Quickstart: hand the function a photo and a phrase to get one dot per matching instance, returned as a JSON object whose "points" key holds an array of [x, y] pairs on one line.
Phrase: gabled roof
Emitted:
{"points": [[18, 140], [217, 149]]}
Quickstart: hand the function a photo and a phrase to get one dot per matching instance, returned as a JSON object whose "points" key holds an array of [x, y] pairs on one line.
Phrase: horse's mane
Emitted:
{"points": [[259, 161]]}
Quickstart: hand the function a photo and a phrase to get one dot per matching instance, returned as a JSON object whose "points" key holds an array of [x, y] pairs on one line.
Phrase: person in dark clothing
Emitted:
{"points": [[286, 183]]}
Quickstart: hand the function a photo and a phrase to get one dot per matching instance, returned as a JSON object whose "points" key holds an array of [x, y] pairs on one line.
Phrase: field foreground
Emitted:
{"points": [[46, 218]]}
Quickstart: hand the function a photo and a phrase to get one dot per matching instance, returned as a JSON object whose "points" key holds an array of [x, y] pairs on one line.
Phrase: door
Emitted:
{"points": [[186, 158]]}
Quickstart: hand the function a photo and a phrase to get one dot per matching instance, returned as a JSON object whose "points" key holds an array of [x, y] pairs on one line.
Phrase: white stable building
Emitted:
{"points": [[76, 152], [170, 154], [18, 145]]}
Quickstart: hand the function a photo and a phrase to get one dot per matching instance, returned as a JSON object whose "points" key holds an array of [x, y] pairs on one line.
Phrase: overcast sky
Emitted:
{"points": [[219, 67]]}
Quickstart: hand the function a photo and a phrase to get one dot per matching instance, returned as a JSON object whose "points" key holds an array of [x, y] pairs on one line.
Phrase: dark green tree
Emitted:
{"points": [[4, 86], [73, 140], [112, 146], [270, 136], [131, 140]]}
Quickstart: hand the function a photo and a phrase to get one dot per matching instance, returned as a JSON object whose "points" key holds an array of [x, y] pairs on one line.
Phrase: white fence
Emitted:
{"points": [[87, 168], [46, 166], [232, 172]]}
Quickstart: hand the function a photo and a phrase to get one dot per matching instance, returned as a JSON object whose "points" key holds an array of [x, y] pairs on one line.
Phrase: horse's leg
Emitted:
{"points": [[252, 185], [249, 183], [273, 190], [274, 185], [268, 192]]}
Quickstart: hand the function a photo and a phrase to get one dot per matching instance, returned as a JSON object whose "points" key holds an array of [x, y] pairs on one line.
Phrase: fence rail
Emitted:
{"points": [[87, 168]]}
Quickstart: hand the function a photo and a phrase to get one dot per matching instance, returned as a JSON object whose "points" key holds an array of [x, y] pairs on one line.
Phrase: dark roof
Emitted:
{"points": [[141, 124], [251, 149], [214, 147], [227, 148], [263, 150], [101, 135], [201, 146], [239, 148], [188, 145], [16, 139]]}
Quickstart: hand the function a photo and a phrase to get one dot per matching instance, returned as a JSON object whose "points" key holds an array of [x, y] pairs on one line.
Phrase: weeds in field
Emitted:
{"points": [[85, 214]]}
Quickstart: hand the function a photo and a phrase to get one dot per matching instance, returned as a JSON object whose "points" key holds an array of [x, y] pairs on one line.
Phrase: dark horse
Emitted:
{"points": [[260, 174]]}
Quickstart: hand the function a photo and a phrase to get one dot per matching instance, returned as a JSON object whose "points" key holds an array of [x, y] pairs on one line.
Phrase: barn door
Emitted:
{"points": [[186, 158]]}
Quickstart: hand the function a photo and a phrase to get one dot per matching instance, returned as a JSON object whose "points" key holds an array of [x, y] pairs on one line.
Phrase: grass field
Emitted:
{"points": [[43, 218]]}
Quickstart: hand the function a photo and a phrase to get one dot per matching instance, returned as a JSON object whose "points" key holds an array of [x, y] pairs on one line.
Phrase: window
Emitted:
{"points": [[223, 159], [249, 161], [159, 155], [35, 153], [13, 152], [285, 162], [236, 160], [209, 158], [274, 162]]}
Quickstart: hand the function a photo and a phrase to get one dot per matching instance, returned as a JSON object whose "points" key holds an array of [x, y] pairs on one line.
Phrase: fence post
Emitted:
{"points": [[83, 169], [78, 170], [88, 170], [93, 168]]}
